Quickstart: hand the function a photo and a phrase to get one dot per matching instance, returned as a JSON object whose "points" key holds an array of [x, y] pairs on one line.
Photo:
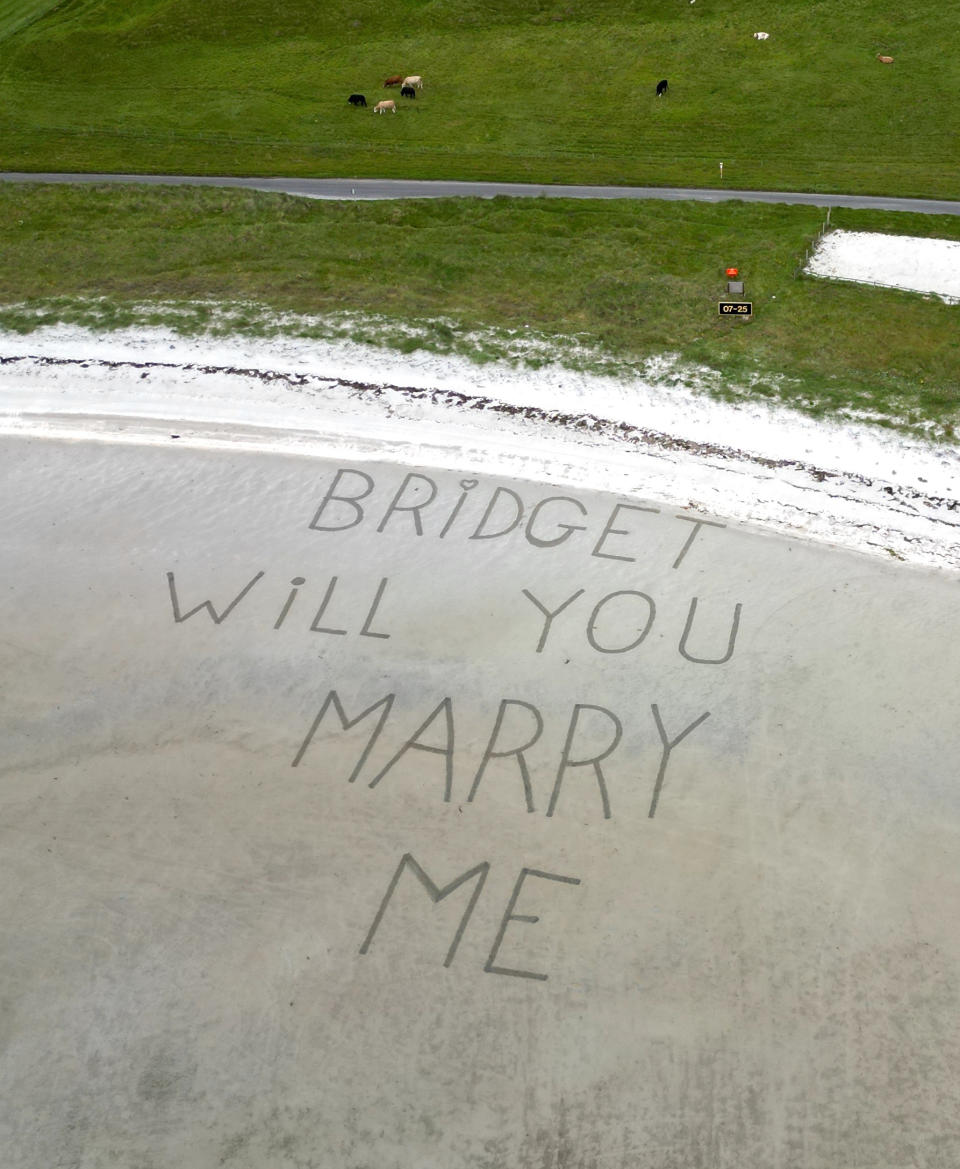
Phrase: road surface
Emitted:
{"points": [[434, 189]]}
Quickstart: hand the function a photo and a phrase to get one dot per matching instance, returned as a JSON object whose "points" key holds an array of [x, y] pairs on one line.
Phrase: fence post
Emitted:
{"points": [[809, 249]]}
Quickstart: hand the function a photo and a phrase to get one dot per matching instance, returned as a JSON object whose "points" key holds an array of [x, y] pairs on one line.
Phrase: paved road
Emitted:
{"points": [[417, 189]]}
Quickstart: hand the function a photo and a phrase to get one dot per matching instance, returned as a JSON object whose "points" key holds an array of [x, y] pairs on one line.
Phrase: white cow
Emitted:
{"points": [[760, 36], [382, 106], [416, 81]]}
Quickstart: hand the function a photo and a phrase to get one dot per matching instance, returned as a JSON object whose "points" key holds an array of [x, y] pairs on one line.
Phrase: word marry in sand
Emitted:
{"points": [[517, 729], [418, 507]]}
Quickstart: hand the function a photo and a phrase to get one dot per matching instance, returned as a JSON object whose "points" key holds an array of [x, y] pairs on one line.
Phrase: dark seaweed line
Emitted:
{"points": [[623, 431]]}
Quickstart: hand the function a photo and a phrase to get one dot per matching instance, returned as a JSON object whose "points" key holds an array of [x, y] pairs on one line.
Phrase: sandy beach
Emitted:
{"points": [[653, 432], [419, 766]]}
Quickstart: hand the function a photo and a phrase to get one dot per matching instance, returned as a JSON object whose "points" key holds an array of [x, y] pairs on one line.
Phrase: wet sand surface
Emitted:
{"points": [[360, 816]]}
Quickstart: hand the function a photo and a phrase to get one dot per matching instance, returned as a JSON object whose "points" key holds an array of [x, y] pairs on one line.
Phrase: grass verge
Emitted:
{"points": [[606, 286]]}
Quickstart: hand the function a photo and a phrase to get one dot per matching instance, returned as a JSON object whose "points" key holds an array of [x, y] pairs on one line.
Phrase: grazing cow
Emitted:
{"points": [[761, 36], [357, 99], [416, 81], [396, 79], [885, 60], [661, 88], [407, 91], [382, 106]]}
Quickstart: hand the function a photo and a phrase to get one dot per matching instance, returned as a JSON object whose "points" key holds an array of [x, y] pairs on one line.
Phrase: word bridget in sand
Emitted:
{"points": [[501, 744], [353, 499]]}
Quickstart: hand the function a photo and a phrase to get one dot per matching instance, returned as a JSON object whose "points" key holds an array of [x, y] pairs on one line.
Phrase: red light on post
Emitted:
{"points": [[733, 272]]}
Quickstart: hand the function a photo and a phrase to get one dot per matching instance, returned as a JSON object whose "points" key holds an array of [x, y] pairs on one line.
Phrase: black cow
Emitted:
{"points": [[407, 91], [661, 88], [357, 99]]}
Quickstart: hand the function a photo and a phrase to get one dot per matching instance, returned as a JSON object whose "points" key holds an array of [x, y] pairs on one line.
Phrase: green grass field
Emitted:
{"points": [[17, 14], [514, 89], [530, 90], [625, 279]]}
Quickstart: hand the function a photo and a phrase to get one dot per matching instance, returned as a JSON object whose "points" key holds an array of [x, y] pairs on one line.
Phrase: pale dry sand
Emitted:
{"points": [[630, 837], [851, 485], [696, 783], [913, 263]]}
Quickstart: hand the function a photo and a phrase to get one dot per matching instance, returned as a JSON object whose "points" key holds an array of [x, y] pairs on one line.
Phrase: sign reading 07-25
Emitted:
{"points": [[735, 308]]}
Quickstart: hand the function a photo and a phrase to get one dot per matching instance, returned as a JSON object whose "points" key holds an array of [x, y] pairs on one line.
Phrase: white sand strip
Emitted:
{"points": [[853, 486], [893, 261]]}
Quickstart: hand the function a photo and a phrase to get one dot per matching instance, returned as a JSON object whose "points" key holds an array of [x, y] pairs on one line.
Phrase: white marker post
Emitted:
{"points": [[721, 172]]}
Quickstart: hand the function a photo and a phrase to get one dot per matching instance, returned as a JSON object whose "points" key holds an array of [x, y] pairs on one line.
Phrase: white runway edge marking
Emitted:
{"points": [[852, 486], [912, 263]]}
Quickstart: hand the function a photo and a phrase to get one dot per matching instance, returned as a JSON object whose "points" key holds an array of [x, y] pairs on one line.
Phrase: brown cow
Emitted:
{"points": [[884, 60], [382, 106], [396, 79]]}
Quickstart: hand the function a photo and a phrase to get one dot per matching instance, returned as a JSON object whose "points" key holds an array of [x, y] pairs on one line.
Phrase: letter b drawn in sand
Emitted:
{"points": [[350, 499]]}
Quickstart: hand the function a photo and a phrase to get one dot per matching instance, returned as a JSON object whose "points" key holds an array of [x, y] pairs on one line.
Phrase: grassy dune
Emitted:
{"points": [[515, 89], [625, 279]]}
